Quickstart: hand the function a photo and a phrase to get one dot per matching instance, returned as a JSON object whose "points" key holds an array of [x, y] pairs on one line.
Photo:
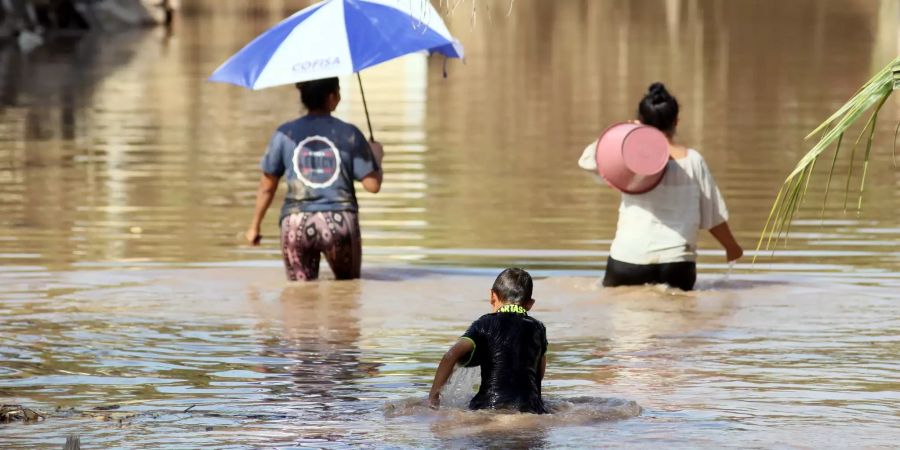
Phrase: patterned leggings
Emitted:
{"points": [[305, 236]]}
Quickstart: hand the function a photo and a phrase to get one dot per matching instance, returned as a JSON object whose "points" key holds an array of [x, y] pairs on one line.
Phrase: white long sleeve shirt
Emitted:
{"points": [[662, 226]]}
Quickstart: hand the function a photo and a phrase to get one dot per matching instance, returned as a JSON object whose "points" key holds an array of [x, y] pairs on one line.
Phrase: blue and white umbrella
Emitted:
{"points": [[338, 37]]}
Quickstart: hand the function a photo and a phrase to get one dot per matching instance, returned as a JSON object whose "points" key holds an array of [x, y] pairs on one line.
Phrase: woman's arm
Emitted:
{"points": [[372, 181], [445, 368], [268, 184], [722, 233], [588, 159]]}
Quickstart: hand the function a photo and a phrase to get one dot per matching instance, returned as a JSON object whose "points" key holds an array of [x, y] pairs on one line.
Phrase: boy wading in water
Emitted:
{"points": [[508, 344]]}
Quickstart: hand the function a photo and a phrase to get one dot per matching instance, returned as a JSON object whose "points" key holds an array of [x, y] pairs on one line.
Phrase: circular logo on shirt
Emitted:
{"points": [[317, 162]]}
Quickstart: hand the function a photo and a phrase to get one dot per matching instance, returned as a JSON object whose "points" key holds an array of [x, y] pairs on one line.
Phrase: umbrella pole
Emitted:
{"points": [[365, 106]]}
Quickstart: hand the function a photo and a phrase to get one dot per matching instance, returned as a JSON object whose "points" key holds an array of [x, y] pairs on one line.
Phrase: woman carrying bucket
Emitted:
{"points": [[668, 195]]}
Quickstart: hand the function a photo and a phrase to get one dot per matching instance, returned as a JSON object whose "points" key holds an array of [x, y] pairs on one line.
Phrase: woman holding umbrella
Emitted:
{"points": [[320, 157]]}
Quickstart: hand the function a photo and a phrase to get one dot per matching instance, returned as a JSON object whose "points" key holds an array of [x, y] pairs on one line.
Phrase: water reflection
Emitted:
{"points": [[265, 364], [320, 324], [631, 326], [749, 99], [119, 160], [482, 431]]}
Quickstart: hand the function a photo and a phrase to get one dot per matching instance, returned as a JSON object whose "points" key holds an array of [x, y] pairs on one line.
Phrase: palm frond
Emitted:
{"points": [[837, 150], [793, 190], [896, 133], [872, 122]]}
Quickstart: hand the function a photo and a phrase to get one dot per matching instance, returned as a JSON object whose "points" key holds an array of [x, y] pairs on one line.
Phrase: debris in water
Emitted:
{"points": [[106, 408], [73, 442], [16, 413]]}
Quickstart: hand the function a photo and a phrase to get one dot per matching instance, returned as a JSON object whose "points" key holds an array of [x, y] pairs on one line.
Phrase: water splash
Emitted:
{"points": [[453, 423], [456, 394], [461, 387], [730, 270], [582, 410], [724, 280]]}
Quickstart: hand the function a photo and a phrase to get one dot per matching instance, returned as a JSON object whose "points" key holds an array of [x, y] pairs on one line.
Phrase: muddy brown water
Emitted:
{"points": [[125, 180]]}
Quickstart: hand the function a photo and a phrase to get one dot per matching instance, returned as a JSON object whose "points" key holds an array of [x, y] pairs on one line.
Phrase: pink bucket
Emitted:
{"points": [[632, 158]]}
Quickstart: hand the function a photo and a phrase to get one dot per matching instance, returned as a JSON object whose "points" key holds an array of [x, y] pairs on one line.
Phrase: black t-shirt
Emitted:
{"points": [[508, 347]]}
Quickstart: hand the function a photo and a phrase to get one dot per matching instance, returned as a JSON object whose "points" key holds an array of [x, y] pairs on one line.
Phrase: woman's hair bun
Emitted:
{"points": [[658, 93], [659, 109]]}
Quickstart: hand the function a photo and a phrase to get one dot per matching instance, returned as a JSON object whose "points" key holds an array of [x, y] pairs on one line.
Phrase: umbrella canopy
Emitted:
{"points": [[335, 38]]}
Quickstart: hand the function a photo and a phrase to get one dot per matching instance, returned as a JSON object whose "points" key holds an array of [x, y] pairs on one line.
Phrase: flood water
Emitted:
{"points": [[128, 301]]}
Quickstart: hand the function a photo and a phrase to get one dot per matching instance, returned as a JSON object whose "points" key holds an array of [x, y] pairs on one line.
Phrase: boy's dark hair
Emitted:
{"points": [[314, 94], [513, 286], [659, 109]]}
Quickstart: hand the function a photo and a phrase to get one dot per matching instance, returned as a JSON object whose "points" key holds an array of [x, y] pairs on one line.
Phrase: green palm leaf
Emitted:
{"points": [[873, 94]]}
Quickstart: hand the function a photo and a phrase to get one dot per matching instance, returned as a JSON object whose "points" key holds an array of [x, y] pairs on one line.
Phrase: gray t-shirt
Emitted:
{"points": [[320, 157]]}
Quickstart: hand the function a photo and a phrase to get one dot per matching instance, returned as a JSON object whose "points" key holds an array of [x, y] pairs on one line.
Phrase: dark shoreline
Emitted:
{"points": [[31, 23]]}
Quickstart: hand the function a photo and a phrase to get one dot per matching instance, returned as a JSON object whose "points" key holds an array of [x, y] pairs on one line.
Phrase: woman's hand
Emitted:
{"points": [[264, 195], [734, 253], [372, 181], [253, 237], [722, 233]]}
